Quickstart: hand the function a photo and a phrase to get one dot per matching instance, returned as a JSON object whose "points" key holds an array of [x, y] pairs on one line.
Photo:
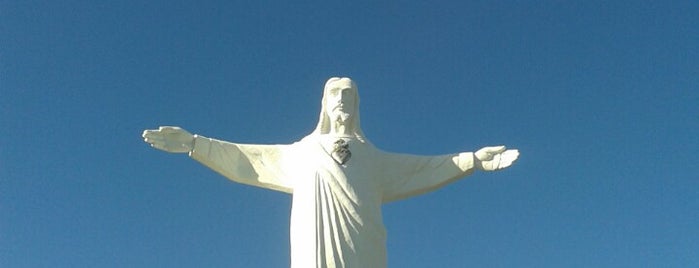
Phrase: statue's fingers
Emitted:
{"points": [[486, 165], [483, 154], [169, 129], [512, 155], [154, 136], [505, 162], [487, 153], [492, 165], [496, 149], [154, 140], [508, 157], [159, 146], [497, 161], [148, 132]]}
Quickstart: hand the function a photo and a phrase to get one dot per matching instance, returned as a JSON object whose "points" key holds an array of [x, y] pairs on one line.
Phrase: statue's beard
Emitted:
{"points": [[342, 118]]}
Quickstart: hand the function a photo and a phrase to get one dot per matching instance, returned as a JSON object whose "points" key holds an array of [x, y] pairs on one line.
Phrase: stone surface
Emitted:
{"points": [[338, 179]]}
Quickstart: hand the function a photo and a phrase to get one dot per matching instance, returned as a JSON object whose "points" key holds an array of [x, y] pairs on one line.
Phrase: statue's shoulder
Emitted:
{"points": [[311, 138]]}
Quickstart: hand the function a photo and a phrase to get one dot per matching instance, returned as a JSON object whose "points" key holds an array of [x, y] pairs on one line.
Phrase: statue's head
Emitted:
{"points": [[340, 100], [340, 104]]}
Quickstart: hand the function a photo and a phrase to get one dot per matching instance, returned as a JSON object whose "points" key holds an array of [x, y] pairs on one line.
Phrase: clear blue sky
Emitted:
{"points": [[601, 98]]}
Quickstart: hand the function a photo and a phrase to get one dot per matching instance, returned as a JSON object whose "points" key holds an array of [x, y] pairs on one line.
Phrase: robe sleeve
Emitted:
{"points": [[410, 175], [256, 165]]}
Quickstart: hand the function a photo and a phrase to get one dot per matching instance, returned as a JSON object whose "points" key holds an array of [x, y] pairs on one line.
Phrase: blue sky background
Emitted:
{"points": [[601, 98]]}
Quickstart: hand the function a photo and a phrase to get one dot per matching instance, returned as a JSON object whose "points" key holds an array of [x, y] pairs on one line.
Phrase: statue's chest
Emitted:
{"points": [[357, 177]]}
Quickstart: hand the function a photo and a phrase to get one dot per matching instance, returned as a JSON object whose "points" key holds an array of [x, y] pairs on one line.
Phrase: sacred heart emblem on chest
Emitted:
{"points": [[341, 153]]}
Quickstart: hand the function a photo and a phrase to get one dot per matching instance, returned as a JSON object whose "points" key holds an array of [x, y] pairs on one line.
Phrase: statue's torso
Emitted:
{"points": [[336, 215]]}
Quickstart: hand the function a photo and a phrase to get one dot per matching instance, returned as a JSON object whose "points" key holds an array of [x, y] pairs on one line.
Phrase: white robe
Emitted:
{"points": [[336, 212]]}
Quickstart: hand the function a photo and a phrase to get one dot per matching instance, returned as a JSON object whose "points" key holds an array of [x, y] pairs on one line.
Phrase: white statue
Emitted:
{"points": [[338, 179]]}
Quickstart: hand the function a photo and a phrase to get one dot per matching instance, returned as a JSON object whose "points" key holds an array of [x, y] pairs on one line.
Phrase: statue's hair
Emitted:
{"points": [[324, 121]]}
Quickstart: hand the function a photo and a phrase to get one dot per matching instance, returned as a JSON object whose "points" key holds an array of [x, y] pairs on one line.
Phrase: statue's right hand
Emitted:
{"points": [[169, 139]]}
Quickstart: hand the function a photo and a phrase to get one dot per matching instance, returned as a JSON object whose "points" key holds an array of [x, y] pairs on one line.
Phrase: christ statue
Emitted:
{"points": [[337, 178]]}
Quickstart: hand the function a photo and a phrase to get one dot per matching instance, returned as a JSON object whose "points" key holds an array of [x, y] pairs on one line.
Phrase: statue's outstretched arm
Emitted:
{"points": [[410, 175], [253, 164]]}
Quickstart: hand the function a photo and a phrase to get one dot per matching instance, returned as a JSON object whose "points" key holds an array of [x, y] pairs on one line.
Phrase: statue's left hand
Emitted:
{"points": [[169, 139], [495, 158]]}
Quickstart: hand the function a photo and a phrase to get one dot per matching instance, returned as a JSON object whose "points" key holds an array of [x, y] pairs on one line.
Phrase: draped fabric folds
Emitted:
{"points": [[336, 213]]}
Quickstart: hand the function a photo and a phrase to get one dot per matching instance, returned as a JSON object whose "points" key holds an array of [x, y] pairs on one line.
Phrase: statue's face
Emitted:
{"points": [[340, 102]]}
